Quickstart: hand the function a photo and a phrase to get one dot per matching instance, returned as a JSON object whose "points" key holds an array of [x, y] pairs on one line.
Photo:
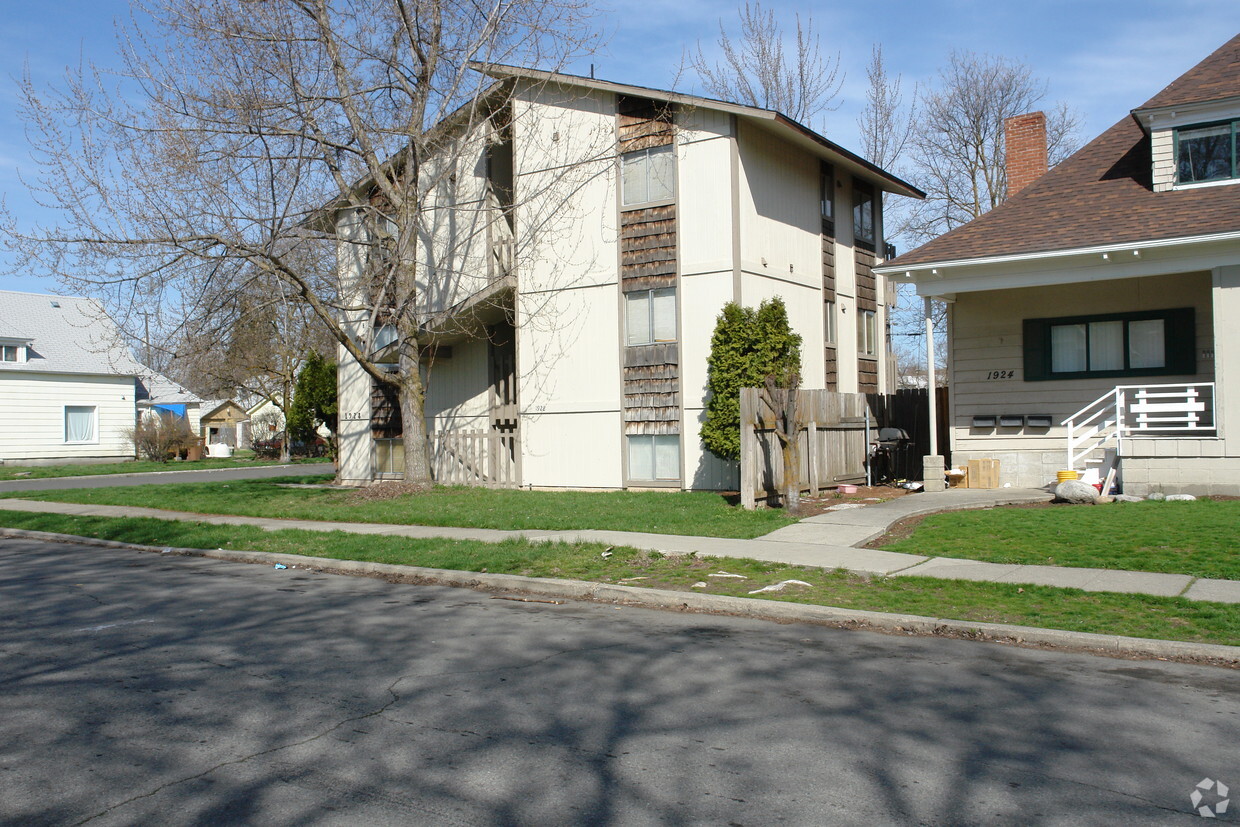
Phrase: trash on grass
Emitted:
{"points": [[280, 566], [698, 585], [779, 587], [725, 574]]}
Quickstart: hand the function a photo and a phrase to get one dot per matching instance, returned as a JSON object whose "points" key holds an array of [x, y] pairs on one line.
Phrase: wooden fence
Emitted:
{"points": [[487, 458], [831, 432]]}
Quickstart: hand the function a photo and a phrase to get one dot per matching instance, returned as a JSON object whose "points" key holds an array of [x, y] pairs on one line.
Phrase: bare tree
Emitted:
{"points": [[761, 68], [886, 123], [236, 133], [957, 150]]}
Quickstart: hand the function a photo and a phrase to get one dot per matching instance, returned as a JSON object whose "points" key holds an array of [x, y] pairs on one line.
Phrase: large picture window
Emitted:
{"points": [[654, 457], [1150, 343], [1206, 153], [647, 175], [650, 316], [79, 423]]}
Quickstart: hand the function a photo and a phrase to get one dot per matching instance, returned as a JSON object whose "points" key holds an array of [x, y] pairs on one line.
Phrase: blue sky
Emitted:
{"points": [[1102, 58]]}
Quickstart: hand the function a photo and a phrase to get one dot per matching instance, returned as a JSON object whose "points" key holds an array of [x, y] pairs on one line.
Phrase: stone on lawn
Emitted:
{"points": [[1180, 498], [1125, 498], [1156, 495], [1075, 491]]}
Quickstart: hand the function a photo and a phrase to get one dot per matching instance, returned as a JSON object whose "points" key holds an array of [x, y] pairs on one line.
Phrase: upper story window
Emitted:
{"points": [[11, 353], [647, 175], [650, 316], [826, 197], [867, 333], [1206, 153], [864, 219]]}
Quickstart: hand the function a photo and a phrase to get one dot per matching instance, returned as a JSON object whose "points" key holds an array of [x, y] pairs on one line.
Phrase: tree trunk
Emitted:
{"points": [[412, 417], [286, 454], [784, 403]]}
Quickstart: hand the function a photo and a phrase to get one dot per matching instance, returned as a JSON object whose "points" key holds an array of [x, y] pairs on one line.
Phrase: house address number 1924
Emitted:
{"points": [[1001, 374]]}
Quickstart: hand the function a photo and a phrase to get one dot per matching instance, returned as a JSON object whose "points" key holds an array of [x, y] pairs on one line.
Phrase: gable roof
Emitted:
{"points": [[1103, 194], [157, 389], [768, 118], [64, 334]]}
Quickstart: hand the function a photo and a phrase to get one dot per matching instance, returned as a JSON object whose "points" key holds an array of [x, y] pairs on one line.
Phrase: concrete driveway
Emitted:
{"points": [[148, 689]]}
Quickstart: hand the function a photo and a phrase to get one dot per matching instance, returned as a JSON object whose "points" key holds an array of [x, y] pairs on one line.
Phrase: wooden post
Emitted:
{"points": [[749, 398], [814, 479]]}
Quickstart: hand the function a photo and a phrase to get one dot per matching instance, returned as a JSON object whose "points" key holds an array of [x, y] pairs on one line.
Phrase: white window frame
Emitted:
{"points": [[19, 354], [633, 441], [94, 424], [632, 300], [645, 155], [867, 334]]}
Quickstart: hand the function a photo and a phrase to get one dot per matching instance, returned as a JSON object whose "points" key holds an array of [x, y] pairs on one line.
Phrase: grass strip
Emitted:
{"points": [[41, 472], [1197, 538], [1166, 618], [695, 513]]}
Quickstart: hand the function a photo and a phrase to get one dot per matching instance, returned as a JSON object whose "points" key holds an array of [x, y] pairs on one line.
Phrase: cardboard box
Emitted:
{"points": [[983, 473]]}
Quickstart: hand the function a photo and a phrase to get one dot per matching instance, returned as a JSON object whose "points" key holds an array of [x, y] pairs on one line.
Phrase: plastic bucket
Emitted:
{"points": [[1064, 476]]}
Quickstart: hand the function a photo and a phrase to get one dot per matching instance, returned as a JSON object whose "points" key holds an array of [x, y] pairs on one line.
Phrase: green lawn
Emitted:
{"points": [[1071, 609], [693, 513], [35, 472], [1200, 538]]}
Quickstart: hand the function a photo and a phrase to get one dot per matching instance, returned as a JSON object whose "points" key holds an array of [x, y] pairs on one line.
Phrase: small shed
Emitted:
{"points": [[223, 420]]}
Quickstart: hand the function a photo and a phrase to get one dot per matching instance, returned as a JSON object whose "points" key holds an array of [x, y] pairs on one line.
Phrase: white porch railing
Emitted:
{"points": [[1134, 411]]}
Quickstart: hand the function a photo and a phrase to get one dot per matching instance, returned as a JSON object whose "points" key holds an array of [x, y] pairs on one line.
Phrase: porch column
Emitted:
{"points": [[932, 464]]}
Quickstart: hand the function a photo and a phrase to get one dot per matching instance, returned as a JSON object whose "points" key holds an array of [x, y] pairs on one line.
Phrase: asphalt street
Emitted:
{"points": [[258, 472], [138, 688]]}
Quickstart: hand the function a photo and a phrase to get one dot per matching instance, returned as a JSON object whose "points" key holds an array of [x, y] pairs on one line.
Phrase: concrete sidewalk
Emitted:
{"points": [[827, 541]]}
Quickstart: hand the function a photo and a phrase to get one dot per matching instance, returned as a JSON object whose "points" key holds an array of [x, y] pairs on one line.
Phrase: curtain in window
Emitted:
{"points": [[637, 317], [663, 315], [79, 424], [1068, 348], [1106, 346], [1147, 345]]}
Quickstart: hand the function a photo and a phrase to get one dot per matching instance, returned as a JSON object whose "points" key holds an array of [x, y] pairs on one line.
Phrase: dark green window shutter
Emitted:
{"points": [[1181, 333], [1037, 349]]}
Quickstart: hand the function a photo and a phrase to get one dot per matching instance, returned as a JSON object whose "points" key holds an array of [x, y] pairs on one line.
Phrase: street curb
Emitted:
{"points": [[162, 473], [777, 611]]}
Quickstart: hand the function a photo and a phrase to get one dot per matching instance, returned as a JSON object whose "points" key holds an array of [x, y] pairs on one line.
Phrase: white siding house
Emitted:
{"points": [[67, 382], [1089, 314], [636, 215]]}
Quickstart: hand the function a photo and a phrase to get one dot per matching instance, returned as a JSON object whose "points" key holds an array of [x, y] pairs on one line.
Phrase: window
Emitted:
{"points": [[79, 423], [647, 175], [1149, 343], [867, 333], [10, 353], [650, 316], [654, 457], [826, 197], [828, 325], [863, 213], [1206, 153]]}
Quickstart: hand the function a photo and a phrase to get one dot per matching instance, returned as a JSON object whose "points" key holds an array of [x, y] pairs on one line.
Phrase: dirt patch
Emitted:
{"points": [[388, 491], [866, 495]]}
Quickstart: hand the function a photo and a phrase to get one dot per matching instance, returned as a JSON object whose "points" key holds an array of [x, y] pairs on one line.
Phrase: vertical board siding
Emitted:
{"points": [[831, 435]]}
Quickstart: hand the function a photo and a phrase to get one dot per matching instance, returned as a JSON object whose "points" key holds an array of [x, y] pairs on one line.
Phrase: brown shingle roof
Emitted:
{"points": [[1218, 76], [1103, 193]]}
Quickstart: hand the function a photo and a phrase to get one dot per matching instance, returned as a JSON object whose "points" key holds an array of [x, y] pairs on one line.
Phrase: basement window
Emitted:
{"points": [[1151, 343], [1206, 153], [654, 457]]}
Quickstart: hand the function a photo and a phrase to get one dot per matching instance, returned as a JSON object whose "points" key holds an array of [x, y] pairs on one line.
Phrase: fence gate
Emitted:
{"points": [[831, 433]]}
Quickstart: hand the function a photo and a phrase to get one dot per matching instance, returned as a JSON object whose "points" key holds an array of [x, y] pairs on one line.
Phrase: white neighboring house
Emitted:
{"points": [[570, 346], [68, 384], [158, 394]]}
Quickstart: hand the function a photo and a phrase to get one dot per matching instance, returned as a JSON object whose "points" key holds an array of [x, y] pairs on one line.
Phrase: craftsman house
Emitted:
{"points": [[595, 237], [1088, 314]]}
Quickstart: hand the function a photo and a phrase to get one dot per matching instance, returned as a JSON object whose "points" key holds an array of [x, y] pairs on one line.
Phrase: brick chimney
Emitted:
{"points": [[1025, 144]]}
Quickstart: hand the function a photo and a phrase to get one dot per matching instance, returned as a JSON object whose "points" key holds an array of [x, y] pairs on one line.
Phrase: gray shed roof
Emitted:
{"points": [[65, 334]]}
